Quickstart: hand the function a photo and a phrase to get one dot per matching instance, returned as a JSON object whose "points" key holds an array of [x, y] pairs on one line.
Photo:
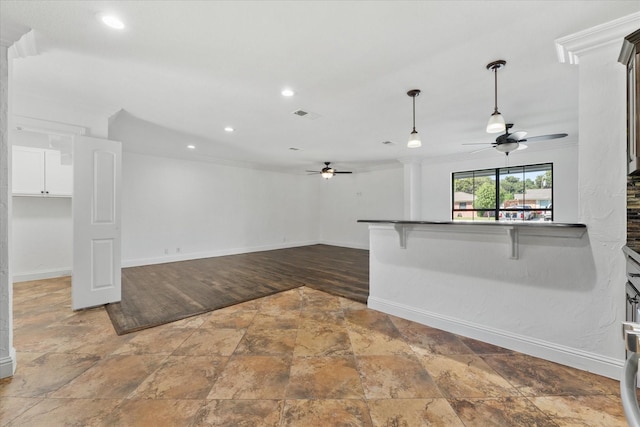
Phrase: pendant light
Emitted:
{"points": [[496, 121], [414, 138]]}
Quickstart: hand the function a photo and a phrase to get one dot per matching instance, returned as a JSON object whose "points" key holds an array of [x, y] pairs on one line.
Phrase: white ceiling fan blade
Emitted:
{"points": [[482, 149], [522, 146], [517, 136], [545, 137]]}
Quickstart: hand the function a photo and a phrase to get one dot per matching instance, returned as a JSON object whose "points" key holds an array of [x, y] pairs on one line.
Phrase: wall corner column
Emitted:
{"points": [[9, 34], [602, 148], [412, 189]]}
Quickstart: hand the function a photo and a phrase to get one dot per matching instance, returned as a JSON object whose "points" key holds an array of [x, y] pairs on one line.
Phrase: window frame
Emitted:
{"points": [[496, 174]]}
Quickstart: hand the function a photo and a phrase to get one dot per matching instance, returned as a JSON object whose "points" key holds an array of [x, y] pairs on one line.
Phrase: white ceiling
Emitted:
{"points": [[198, 66]]}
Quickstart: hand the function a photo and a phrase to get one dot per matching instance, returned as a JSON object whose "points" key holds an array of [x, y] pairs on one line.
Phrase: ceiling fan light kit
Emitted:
{"points": [[327, 172], [414, 138], [496, 121]]}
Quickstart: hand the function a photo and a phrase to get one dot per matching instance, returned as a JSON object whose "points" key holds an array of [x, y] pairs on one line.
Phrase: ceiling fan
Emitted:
{"points": [[508, 142], [327, 171]]}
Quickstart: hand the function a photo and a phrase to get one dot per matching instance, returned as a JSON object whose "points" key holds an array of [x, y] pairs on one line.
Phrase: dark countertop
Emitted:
{"points": [[545, 224]]}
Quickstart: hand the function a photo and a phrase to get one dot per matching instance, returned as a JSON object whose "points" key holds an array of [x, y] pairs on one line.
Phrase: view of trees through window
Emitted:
{"points": [[523, 193]]}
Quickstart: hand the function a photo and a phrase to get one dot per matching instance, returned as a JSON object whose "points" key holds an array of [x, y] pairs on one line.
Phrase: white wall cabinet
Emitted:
{"points": [[39, 172]]}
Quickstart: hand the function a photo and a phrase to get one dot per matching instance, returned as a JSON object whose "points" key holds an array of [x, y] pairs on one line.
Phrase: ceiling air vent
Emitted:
{"points": [[306, 114]]}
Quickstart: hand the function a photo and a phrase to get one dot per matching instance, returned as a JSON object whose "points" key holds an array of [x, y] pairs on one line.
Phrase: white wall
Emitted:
{"points": [[347, 198], [42, 237], [205, 209]]}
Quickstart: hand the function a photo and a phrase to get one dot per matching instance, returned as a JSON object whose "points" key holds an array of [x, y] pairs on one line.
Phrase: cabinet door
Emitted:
{"points": [[27, 171], [58, 178]]}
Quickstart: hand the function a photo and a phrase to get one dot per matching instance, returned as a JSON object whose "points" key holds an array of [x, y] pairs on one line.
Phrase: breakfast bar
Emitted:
{"points": [[498, 282]]}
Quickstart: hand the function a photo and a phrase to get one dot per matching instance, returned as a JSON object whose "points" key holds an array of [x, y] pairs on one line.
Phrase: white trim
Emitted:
{"points": [[575, 358], [8, 364], [48, 127], [186, 256], [351, 245], [40, 275], [571, 47]]}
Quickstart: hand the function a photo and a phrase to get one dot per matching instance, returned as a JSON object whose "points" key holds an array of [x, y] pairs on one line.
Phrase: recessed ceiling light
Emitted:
{"points": [[287, 92], [229, 129], [111, 21], [191, 147]]}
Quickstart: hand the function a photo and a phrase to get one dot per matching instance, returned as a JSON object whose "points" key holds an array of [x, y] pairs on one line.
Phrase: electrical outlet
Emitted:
{"points": [[166, 251]]}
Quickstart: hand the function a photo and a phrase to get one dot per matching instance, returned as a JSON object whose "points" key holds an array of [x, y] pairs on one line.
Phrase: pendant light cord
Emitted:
{"points": [[495, 90], [414, 112]]}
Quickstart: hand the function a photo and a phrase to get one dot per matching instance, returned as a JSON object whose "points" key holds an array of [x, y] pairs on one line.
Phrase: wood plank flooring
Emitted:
{"points": [[156, 294]]}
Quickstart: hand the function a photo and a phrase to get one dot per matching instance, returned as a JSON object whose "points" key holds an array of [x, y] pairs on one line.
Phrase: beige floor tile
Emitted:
{"points": [[230, 317], [535, 377], [426, 340], [12, 407], [286, 301], [210, 342], [324, 378], [316, 300], [158, 340], [327, 355], [316, 413], [250, 413], [395, 377], [311, 316], [67, 412], [348, 304], [503, 412], [276, 320], [596, 411], [112, 378], [268, 342], [317, 338], [252, 377], [413, 413], [45, 374], [480, 347], [181, 377], [466, 376], [154, 413]]}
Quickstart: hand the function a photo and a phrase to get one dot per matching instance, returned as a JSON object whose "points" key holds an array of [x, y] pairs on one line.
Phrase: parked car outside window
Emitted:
{"points": [[518, 213]]}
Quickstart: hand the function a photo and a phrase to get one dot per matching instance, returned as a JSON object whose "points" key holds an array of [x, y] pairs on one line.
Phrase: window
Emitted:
{"points": [[522, 193]]}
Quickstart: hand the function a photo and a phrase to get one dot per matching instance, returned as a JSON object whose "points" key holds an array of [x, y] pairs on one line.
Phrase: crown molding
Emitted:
{"points": [[571, 47]]}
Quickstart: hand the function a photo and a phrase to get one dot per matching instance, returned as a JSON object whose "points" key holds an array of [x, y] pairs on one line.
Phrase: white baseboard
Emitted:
{"points": [[8, 364], [211, 254], [40, 275], [575, 358], [350, 245]]}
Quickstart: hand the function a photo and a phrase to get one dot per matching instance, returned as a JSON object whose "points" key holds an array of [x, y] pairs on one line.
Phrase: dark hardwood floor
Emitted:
{"points": [[156, 294]]}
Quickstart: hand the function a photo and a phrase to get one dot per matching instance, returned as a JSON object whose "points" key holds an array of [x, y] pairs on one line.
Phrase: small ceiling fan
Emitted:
{"points": [[327, 171], [508, 142]]}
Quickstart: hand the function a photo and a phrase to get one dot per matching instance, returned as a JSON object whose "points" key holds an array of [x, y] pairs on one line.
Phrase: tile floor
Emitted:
{"points": [[298, 358]]}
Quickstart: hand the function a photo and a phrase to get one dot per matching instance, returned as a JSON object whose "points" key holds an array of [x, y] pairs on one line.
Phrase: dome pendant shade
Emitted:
{"points": [[496, 121], [414, 138]]}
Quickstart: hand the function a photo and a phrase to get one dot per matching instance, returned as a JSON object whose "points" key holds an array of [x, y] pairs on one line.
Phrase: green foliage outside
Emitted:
{"points": [[484, 189]]}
